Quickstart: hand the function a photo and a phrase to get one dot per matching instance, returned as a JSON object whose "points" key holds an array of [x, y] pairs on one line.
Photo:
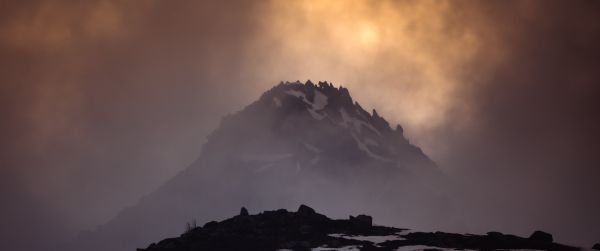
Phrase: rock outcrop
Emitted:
{"points": [[306, 229], [244, 212], [541, 236]]}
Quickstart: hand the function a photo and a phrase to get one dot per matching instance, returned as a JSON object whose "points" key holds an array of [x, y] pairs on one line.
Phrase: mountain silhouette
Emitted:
{"points": [[298, 143]]}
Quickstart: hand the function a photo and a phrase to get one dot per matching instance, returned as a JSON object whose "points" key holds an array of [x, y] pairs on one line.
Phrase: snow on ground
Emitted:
{"points": [[419, 247], [524, 249], [346, 248], [424, 247], [373, 239]]}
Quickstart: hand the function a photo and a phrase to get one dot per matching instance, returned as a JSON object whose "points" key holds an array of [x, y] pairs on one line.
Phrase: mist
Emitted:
{"points": [[104, 101]]}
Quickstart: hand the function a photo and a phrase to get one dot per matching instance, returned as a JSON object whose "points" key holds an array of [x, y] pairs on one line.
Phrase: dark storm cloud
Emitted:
{"points": [[103, 101]]}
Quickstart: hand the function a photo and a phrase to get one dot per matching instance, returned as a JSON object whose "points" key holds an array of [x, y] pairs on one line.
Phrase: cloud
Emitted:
{"points": [[105, 100]]}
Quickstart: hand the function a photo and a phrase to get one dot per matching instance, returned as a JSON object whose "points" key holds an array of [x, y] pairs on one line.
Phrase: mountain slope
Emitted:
{"points": [[299, 143]]}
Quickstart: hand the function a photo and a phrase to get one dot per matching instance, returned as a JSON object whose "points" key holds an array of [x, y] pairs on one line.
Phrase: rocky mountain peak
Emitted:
{"points": [[321, 98], [326, 121]]}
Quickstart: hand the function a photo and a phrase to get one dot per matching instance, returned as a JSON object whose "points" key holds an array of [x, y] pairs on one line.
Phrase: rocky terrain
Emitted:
{"points": [[306, 229]]}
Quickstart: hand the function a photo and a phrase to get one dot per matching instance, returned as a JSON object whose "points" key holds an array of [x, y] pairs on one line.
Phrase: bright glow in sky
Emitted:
{"points": [[406, 59]]}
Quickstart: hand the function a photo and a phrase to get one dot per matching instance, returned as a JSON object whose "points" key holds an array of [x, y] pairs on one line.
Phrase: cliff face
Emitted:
{"points": [[307, 230]]}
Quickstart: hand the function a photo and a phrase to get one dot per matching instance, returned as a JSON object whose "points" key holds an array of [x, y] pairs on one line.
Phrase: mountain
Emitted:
{"points": [[306, 229], [299, 143]]}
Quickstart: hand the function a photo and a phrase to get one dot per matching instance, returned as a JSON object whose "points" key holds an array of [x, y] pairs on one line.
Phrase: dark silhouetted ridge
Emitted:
{"points": [[306, 229]]}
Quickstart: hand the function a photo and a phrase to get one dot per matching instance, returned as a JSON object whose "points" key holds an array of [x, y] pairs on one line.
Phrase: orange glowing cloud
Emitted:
{"points": [[405, 58]]}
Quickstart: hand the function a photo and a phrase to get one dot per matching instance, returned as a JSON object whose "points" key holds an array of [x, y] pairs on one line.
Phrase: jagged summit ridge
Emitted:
{"points": [[323, 116], [310, 125], [318, 97]]}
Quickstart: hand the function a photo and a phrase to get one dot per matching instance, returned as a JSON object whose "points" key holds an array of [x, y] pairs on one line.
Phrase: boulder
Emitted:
{"points": [[541, 236], [361, 221], [244, 212], [495, 234], [305, 210]]}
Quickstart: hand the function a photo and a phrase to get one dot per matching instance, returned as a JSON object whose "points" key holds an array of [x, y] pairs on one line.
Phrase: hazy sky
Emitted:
{"points": [[102, 101]]}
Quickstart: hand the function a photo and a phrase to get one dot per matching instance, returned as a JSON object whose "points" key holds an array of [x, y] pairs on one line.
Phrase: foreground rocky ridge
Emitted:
{"points": [[309, 230]]}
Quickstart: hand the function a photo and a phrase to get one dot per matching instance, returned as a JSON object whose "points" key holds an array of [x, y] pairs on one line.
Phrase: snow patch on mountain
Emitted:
{"points": [[298, 94], [363, 147], [320, 101], [357, 124]]}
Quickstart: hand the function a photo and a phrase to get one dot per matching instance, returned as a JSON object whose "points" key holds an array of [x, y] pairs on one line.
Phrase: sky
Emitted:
{"points": [[103, 101]]}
